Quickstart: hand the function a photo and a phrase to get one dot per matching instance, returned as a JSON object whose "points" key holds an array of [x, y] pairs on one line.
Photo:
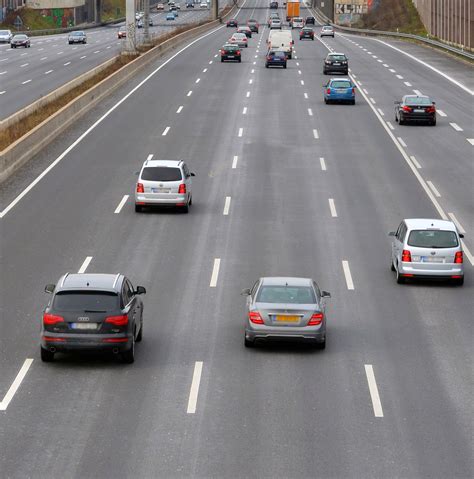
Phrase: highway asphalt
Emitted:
{"points": [[390, 397]]}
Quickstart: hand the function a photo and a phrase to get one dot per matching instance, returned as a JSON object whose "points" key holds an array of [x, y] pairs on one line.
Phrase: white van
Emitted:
{"points": [[281, 40]]}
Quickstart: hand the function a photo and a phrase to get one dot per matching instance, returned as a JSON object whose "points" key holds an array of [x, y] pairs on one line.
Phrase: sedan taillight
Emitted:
{"points": [[316, 319], [254, 317]]}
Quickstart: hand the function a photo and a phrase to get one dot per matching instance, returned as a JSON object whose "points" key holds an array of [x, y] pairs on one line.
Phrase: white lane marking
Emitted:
{"points": [[433, 189], [399, 77], [256, 56], [16, 384], [244, 111], [25, 82], [471, 141], [250, 81], [332, 207], [299, 72], [254, 63], [48, 72], [67, 63], [234, 162], [107, 47], [3, 92], [24, 65], [392, 70], [456, 127], [179, 109], [247, 94], [374, 56], [467, 253], [374, 392], [452, 80], [385, 65], [415, 162], [97, 51], [323, 163], [3, 73], [253, 70], [302, 82], [381, 112], [59, 53], [83, 56], [370, 53], [241, 132], [441, 113], [215, 273], [400, 140], [417, 92], [226, 206], [305, 95], [457, 223], [205, 70], [198, 80], [4, 60], [365, 91], [215, 56], [210, 62], [380, 61], [390, 125], [372, 100], [43, 58], [315, 134], [193, 393], [297, 64], [310, 112], [165, 131], [407, 83], [190, 92], [120, 205], [84, 266], [347, 274]]}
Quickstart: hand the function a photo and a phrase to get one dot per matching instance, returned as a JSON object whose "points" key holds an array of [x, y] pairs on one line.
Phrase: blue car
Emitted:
{"points": [[339, 90], [170, 16]]}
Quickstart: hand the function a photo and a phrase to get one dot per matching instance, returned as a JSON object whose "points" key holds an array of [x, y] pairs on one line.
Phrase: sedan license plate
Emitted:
{"points": [[419, 110], [280, 318], [432, 259], [230, 56], [336, 64], [83, 326], [160, 190]]}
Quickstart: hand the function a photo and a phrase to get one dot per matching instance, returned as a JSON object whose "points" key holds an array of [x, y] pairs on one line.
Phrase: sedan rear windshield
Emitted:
{"points": [[99, 301], [337, 58], [413, 100], [286, 294], [231, 47], [161, 173], [433, 239], [341, 84], [20, 37]]}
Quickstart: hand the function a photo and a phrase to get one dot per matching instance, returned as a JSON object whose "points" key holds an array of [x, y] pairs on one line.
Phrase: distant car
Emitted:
{"points": [[336, 63], [140, 23], [189, 5], [101, 312], [253, 25], [232, 23], [5, 36], [170, 16], [297, 22], [171, 4], [327, 31], [275, 58], [245, 30], [230, 52], [275, 24], [427, 249], [178, 6], [122, 33], [160, 6], [239, 39], [150, 22], [203, 5], [273, 15], [310, 21], [340, 90], [285, 309], [164, 183], [273, 5], [77, 37], [307, 32], [20, 40], [415, 108]]}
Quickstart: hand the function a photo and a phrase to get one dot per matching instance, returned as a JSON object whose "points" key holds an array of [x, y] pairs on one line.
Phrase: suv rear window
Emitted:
{"points": [[433, 239], [286, 294], [161, 173], [100, 301]]}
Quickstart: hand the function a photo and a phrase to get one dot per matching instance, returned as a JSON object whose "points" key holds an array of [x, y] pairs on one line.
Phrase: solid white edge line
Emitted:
{"points": [[332, 207], [347, 274], [234, 162], [373, 390], [16, 384], [84, 266], [194, 391], [433, 189], [120, 205], [226, 206], [215, 273], [323, 163], [457, 223]]}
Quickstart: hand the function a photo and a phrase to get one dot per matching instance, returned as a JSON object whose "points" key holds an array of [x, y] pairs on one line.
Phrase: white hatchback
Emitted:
{"points": [[297, 22]]}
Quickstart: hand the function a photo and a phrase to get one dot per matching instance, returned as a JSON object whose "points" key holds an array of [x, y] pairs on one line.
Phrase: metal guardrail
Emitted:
{"points": [[435, 43]]}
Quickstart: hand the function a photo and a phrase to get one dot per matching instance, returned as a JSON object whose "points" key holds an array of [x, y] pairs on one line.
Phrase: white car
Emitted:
{"points": [[275, 23], [203, 5], [297, 22], [5, 36], [160, 6]]}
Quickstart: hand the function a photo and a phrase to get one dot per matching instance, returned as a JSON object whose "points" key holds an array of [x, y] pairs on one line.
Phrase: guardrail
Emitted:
{"points": [[366, 31]]}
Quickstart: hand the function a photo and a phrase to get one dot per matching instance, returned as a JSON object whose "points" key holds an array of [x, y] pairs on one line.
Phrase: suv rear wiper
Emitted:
{"points": [[94, 311]]}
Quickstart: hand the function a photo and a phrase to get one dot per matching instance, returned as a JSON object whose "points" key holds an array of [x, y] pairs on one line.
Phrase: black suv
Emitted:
{"points": [[336, 62], [92, 312]]}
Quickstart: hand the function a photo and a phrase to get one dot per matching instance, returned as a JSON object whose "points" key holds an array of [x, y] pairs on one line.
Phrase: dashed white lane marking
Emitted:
{"points": [[305, 95], [323, 163], [332, 207], [210, 62], [120, 205], [84, 266], [407, 83], [234, 162], [194, 391], [165, 131], [256, 56], [441, 113], [391, 70], [374, 392], [250, 81], [372, 100], [310, 112], [43, 58], [390, 125], [59, 53], [3, 73], [198, 80], [374, 56], [417, 92], [106, 47], [315, 134], [190, 92], [215, 56], [347, 274], [365, 91], [380, 61], [16, 384], [67, 63], [296, 58], [226, 206], [83, 56], [25, 82], [433, 189], [297, 64], [205, 70], [299, 72], [400, 77], [471, 141], [385, 65], [241, 132], [254, 63], [247, 94], [24, 65], [253, 71], [457, 223], [244, 111], [3, 92], [302, 82], [400, 140], [48, 72], [381, 112], [215, 272], [179, 109], [415, 162], [456, 127]]}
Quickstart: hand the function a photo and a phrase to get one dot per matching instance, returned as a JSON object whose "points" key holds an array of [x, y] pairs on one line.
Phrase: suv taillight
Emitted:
{"points": [[182, 189], [406, 256], [458, 257], [121, 320], [316, 319], [254, 317], [50, 319], [140, 188]]}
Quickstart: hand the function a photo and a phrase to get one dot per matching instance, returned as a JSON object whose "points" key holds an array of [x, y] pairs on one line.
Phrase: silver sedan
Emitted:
{"points": [[285, 309]]}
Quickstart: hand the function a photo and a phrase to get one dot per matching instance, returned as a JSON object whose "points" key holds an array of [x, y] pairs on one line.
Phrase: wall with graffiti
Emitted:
{"points": [[347, 12], [59, 17]]}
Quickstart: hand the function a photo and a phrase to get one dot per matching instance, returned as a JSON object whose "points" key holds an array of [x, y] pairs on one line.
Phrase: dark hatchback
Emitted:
{"points": [[253, 25], [415, 108], [336, 63], [310, 21], [232, 23], [20, 41], [100, 312], [307, 32], [231, 52], [275, 58]]}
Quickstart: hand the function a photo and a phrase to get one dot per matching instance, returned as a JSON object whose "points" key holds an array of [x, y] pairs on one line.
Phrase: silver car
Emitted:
{"points": [[426, 248], [5, 36], [285, 309], [327, 31], [77, 37], [164, 183]]}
